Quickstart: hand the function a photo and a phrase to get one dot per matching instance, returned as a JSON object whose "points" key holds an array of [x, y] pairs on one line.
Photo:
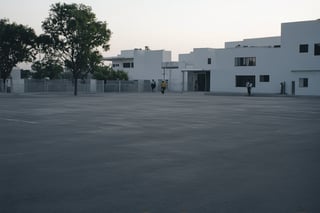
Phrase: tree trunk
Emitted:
{"points": [[75, 86], [4, 85]]}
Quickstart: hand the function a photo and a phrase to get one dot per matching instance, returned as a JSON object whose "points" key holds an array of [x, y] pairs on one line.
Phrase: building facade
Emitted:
{"points": [[287, 64], [141, 64]]}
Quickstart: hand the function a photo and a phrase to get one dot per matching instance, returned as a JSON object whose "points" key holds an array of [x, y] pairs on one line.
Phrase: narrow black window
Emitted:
{"points": [[317, 49], [303, 48], [209, 61]]}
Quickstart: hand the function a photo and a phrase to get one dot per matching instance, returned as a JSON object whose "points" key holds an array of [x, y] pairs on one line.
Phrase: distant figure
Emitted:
{"points": [[163, 86], [249, 86], [153, 85]]}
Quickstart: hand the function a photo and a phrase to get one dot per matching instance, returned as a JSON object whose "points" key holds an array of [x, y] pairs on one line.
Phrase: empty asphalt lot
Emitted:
{"points": [[149, 153]]}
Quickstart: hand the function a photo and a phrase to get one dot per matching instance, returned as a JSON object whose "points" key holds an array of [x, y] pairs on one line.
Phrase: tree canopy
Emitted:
{"points": [[107, 73], [73, 35], [48, 69], [17, 44]]}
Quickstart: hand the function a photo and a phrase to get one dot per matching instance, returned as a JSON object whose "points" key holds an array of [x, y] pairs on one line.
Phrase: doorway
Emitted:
{"points": [[199, 81]]}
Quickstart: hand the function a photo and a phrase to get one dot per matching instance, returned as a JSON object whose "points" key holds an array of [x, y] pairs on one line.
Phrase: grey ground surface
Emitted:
{"points": [[148, 153]]}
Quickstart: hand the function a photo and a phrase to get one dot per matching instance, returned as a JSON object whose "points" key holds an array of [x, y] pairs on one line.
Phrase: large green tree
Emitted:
{"points": [[75, 36], [17, 44]]}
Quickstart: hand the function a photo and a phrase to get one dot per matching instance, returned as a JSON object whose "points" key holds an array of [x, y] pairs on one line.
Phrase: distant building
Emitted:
{"points": [[141, 64], [288, 64]]}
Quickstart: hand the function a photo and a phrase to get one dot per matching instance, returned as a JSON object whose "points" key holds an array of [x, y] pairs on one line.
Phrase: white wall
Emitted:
{"points": [[276, 62], [197, 59], [147, 64], [294, 34], [267, 63], [255, 42], [175, 80]]}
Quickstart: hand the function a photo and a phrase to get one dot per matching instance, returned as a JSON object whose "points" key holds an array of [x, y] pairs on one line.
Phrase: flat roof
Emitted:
{"points": [[116, 58]]}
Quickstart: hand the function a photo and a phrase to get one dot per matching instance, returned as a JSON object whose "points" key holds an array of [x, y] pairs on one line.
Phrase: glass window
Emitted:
{"points": [[303, 82], [317, 49], [245, 61], [126, 65], [264, 78], [209, 61], [303, 48]]}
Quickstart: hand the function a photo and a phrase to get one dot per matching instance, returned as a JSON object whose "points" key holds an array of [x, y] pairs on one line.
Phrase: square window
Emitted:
{"points": [[264, 78], [317, 49], [303, 48], [303, 82]]}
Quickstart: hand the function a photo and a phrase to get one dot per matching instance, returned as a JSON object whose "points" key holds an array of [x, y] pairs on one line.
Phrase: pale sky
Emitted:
{"points": [[176, 25]]}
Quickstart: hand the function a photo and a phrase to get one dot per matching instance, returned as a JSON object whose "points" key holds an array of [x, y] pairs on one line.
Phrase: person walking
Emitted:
{"points": [[249, 86], [163, 86], [153, 85]]}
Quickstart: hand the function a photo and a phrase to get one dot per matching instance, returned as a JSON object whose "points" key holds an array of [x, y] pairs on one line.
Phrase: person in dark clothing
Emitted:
{"points": [[153, 85], [249, 86]]}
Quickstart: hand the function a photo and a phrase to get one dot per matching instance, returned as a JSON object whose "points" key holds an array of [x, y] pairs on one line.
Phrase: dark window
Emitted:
{"points": [[303, 48], [264, 78], [126, 65], [245, 61], [115, 65], [132, 64], [209, 61], [241, 80], [303, 82], [317, 49]]}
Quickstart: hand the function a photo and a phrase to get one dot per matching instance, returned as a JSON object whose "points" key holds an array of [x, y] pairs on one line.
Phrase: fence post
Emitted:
{"points": [[93, 85], [119, 82]]}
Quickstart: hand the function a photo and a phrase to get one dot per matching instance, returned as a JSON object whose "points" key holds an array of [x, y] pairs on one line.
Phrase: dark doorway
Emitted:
{"points": [[199, 81]]}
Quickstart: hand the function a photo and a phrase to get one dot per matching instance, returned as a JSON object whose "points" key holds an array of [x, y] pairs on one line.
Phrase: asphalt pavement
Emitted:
{"points": [[153, 153]]}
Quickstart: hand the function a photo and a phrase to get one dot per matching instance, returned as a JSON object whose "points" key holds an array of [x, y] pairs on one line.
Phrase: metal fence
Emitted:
{"points": [[84, 86], [63, 85], [127, 86], [121, 86]]}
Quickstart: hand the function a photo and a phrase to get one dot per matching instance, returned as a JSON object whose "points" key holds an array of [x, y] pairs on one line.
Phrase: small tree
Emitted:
{"points": [[74, 36], [47, 69], [107, 73], [17, 44]]}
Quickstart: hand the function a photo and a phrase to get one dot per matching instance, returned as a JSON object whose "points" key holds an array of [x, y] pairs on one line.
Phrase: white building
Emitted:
{"points": [[141, 64], [293, 58], [290, 62]]}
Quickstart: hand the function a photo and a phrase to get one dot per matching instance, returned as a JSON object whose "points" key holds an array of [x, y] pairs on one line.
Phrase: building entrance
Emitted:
{"points": [[199, 81]]}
